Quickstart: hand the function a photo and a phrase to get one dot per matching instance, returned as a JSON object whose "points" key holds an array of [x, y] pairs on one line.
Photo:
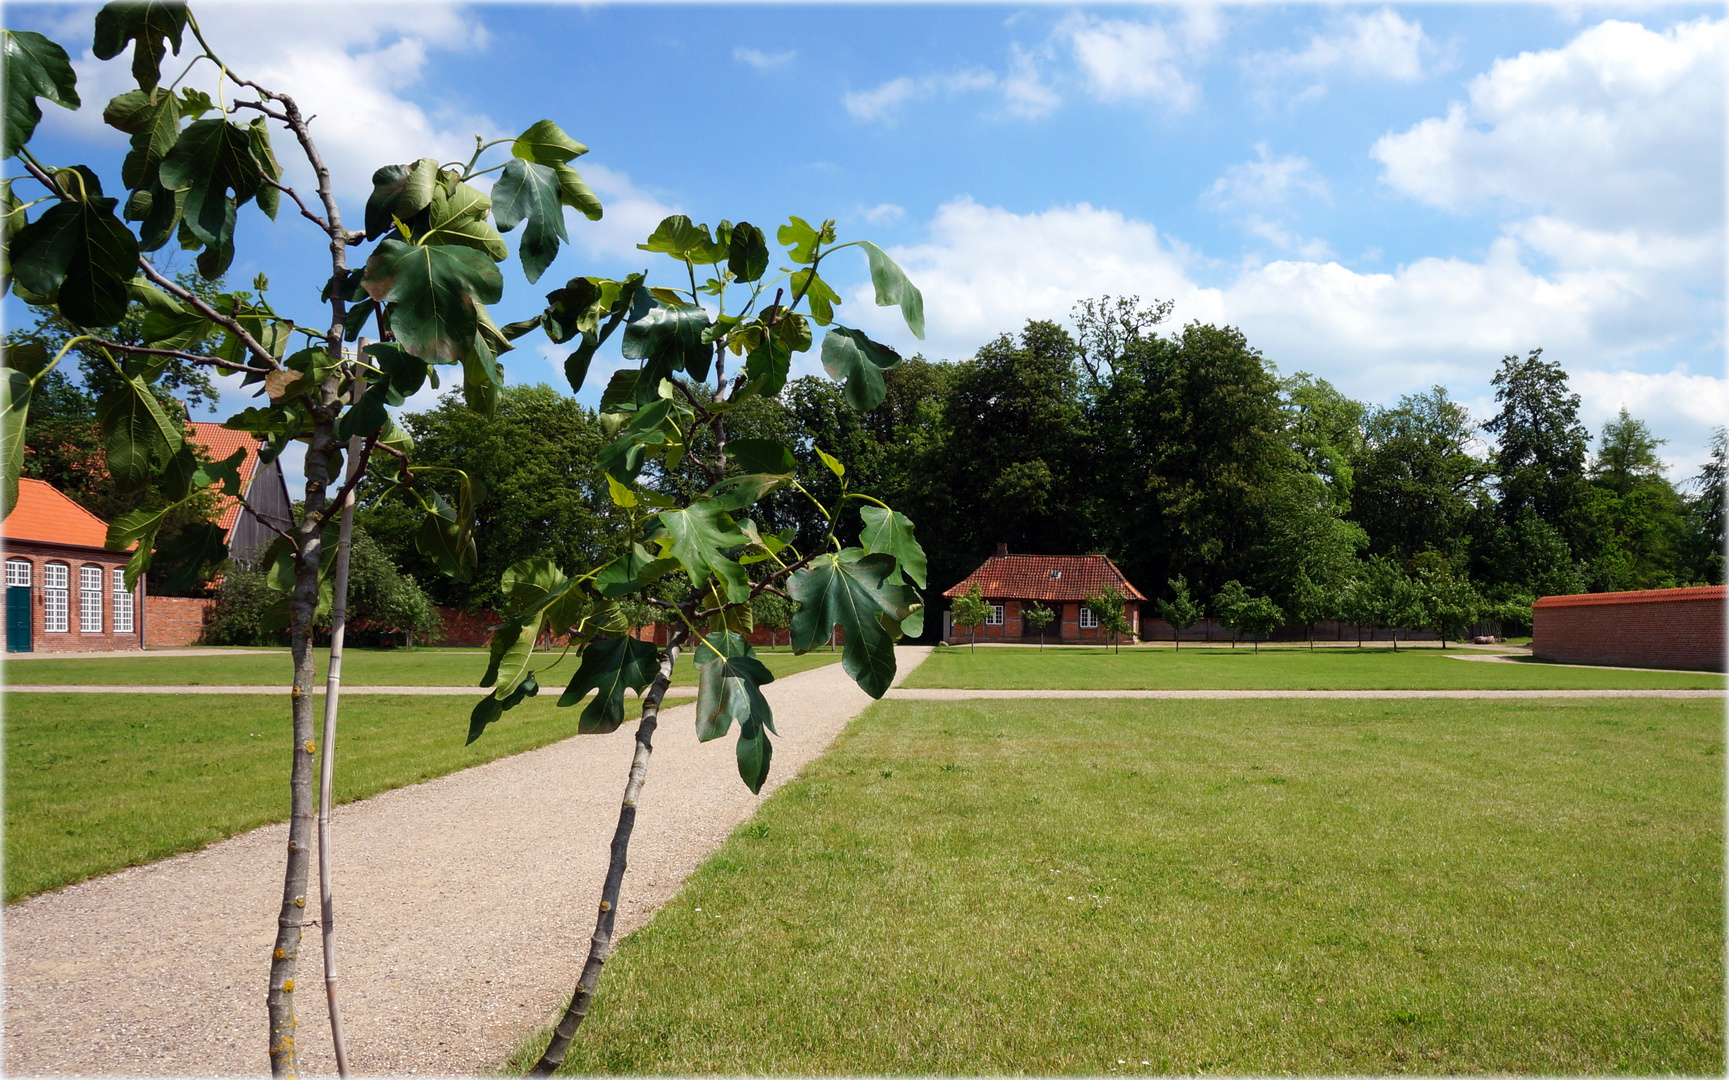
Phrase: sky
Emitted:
{"points": [[1389, 197]]}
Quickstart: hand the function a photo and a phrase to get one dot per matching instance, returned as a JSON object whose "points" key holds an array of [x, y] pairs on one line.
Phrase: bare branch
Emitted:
{"points": [[341, 496], [197, 358], [304, 212], [229, 324]]}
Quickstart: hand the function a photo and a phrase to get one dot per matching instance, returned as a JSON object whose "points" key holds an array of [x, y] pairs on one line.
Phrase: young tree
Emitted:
{"points": [[1449, 604], [1308, 603], [1260, 617], [970, 610], [773, 611], [1179, 611], [1228, 607], [1389, 599], [1037, 616], [1107, 606]]}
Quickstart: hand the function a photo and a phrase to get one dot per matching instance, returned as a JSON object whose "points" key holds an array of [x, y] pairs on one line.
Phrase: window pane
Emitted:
{"points": [[122, 603], [90, 599], [18, 572], [56, 603]]}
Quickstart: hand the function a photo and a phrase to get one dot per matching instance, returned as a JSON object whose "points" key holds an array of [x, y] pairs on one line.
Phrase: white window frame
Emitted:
{"points": [[994, 614], [19, 573], [122, 603], [56, 598], [1089, 618], [90, 590]]}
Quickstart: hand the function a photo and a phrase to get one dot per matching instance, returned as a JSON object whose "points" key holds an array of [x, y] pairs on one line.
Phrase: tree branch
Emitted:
{"points": [[341, 496], [214, 361], [227, 322]]}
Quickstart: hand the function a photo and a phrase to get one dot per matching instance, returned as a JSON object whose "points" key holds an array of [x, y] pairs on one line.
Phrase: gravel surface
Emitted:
{"points": [[464, 907], [1229, 695], [199, 688]]}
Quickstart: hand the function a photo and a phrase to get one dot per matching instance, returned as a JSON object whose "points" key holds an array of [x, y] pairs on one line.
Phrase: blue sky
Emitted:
{"points": [[1388, 196]]}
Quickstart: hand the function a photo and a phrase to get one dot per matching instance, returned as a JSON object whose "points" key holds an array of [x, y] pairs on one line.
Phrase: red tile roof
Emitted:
{"points": [[1643, 596], [219, 442], [44, 515], [1046, 577]]}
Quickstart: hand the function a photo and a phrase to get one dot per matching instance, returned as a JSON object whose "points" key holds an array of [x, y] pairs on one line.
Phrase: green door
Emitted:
{"points": [[18, 618]]}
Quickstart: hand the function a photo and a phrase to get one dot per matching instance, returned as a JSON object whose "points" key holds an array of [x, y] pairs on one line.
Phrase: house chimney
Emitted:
{"points": [[1002, 551]]}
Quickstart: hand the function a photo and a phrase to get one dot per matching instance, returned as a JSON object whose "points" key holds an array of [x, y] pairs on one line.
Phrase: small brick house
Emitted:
{"points": [[65, 592], [1059, 582], [1660, 628]]}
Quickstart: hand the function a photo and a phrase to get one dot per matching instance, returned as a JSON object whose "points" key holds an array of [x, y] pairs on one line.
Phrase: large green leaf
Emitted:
{"points": [[78, 253], [672, 333], [136, 430], [16, 389], [575, 193], [676, 236], [152, 24], [747, 254], [152, 118], [491, 707], [632, 571], [35, 67], [545, 143], [137, 527], [197, 550], [695, 536], [268, 198], [729, 679], [892, 287], [433, 291], [889, 533], [858, 364], [609, 667], [210, 159], [402, 193], [806, 284], [739, 492], [798, 235], [401, 375], [762, 456], [530, 192], [850, 589], [457, 215]]}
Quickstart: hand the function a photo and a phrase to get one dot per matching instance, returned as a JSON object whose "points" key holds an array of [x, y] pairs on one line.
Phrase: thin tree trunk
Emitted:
{"points": [[600, 946], [327, 763], [284, 1060]]}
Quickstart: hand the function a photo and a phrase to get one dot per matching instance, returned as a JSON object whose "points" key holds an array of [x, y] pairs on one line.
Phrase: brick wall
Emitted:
{"points": [[174, 622], [73, 559], [1663, 628], [472, 629]]}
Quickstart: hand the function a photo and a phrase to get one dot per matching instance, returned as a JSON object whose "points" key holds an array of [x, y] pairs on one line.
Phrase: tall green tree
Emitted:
{"points": [[1418, 486], [1705, 508], [1638, 516], [540, 496], [1540, 456]]}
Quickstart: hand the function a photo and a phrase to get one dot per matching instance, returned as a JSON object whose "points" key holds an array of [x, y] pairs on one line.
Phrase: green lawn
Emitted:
{"points": [[98, 782], [360, 667], [1272, 669], [1255, 887]]}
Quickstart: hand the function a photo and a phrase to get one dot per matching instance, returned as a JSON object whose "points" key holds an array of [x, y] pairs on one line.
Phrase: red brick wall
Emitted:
{"points": [[74, 639], [1663, 628], [174, 622], [659, 633]]}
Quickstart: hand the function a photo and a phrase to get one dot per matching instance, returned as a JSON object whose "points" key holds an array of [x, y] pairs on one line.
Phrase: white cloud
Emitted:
{"points": [[1267, 181], [986, 270], [1025, 93], [1379, 44], [885, 214], [631, 214], [1277, 234], [1621, 127], [1132, 61], [1022, 95], [760, 60], [346, 66]]}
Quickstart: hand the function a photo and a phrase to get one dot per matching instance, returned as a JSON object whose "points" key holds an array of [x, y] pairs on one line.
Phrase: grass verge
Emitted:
{"points": [[95, 783], [1180, 887], [1272, 669], [360, 667]]}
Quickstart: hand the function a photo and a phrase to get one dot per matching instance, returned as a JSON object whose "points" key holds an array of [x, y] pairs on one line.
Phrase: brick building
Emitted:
{"points": [[65, 592], [1661, 628], [1059, 582]]}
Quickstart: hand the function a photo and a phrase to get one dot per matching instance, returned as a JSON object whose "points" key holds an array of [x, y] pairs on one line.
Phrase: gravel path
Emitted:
{"points": [[464, 907], [1231, 695], [111, 688]]}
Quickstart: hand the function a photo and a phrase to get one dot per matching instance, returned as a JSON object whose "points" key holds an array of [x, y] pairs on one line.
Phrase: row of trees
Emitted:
{"points": [[1182, 455]]}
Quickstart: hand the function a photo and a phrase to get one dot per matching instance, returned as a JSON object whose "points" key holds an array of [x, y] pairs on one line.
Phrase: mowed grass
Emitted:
{"points": [[360, 667], [97, 782], [1072, 668], [1137, 887]]}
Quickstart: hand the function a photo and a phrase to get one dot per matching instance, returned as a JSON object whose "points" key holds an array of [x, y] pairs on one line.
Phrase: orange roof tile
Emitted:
{"points": [[44, 515], [219, 442], [1642, 596], [1046, 577]]}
